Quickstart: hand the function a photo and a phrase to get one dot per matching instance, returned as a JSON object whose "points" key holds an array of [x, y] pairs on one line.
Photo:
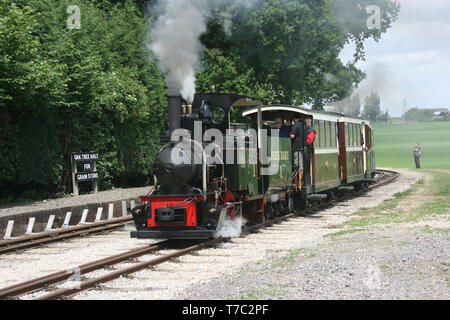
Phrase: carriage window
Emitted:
{"points": [[359, 135], [350, 134], [353, 135], [330, 143], [346, 134], [322, 134], [316, 127], [349, 142], [333, 134]]}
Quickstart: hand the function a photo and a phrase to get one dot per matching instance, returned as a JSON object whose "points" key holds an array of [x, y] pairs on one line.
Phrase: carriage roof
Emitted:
{"points": [[315, 114]]}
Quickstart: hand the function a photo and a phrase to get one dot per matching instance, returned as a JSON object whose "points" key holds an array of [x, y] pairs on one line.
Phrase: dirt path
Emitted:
{"points": [[398, 260]]}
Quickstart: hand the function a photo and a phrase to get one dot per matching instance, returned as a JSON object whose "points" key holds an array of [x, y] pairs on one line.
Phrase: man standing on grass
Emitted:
{"points": [[417, 154]]}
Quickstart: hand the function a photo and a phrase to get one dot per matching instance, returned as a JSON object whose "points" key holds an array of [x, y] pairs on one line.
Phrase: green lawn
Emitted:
{"points": [[394, 144]]}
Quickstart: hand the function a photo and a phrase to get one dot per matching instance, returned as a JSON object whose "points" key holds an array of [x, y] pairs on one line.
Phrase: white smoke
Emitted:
{"points": [[175, 38], [231, 228], [176, 42]]}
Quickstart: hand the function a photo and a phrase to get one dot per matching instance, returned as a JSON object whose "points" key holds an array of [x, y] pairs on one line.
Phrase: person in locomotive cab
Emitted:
{"points": [[289, 125], [298, 143], [284, 131], [417, 151], [310, 134]]}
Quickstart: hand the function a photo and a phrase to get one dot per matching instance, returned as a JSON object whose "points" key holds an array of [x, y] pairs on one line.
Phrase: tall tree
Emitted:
{"points": [[355, 106], [372, 108], [292, 47], [64, 91]]}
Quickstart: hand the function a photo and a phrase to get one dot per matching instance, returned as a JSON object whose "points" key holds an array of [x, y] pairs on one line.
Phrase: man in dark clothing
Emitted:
{"points": [[298, 142], [284, 131], [417, 151]]}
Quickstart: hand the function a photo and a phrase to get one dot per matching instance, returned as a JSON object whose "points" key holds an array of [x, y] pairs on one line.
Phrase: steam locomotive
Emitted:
{"points": [[257, 180]]}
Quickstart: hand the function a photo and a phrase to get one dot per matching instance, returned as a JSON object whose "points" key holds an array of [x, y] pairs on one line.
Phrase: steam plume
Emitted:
{"points": [[232, 228], [175, 41]]}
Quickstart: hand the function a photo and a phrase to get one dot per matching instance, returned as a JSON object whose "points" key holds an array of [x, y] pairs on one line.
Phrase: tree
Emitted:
{"points": [[355, 107], [371, 107], [64, 91], [416, 114], [384, 117], [292, 47]]}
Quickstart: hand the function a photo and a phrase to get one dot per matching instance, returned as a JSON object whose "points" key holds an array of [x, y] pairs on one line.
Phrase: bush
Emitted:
{"points": [[64, 91]]}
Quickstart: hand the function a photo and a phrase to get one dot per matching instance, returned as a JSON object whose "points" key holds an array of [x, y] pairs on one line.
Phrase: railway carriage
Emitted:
{"points": [[193, 199]]}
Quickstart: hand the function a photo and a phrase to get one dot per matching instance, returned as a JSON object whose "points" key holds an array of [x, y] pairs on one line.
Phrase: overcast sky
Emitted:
{"points": [[412, 60]]}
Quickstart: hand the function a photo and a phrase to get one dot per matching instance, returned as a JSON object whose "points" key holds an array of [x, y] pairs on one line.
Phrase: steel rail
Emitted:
{"points": [[61, 276], [69, 292]]}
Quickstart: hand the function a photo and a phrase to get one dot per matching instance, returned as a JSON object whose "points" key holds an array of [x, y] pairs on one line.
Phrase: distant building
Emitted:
{"points": [[439, 113], [434, 110]]}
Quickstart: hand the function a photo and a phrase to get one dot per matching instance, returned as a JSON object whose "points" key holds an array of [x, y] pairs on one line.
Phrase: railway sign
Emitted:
{"points": [[87, 176], [84, 169]]}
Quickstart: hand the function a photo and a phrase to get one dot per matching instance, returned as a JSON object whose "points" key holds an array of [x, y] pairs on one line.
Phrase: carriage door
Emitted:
{"points": [[369, 152], [342, 135], [364, 142]]}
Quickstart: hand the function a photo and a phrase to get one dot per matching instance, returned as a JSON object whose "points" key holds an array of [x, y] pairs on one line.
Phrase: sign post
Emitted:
{"points": [[88, 163]]}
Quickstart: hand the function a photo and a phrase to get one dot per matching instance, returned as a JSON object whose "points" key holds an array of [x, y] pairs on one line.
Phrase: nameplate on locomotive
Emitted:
{"points": [[279, 155]]}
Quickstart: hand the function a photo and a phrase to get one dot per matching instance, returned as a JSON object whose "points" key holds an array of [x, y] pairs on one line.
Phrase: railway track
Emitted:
{"points": [[31, 241], [49, 283]]}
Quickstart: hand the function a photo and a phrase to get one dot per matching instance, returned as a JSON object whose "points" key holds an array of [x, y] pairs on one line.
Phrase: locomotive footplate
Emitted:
{"points": [[173, 233]]}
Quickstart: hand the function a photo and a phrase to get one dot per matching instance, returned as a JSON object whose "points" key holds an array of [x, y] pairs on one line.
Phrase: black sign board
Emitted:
{"points": [[86, 176], [92, 156], [86, 162]]}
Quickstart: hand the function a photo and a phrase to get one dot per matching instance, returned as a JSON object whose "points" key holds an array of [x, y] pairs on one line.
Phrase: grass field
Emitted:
{"points": [[394, 144]]}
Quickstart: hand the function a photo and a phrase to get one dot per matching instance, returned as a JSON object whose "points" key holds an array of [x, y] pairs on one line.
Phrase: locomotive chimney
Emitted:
{"points": [[174, 112]]}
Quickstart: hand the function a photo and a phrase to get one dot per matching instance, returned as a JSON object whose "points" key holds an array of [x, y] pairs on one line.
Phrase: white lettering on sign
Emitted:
{"points": [[86, 156], [87, 176]]}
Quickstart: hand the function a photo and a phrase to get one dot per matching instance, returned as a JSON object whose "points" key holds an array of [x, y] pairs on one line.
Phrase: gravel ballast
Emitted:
{"points": [[291, 260]]}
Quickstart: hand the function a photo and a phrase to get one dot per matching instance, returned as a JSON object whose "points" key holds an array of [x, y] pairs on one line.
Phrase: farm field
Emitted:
{"points": [[394, 144]]}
